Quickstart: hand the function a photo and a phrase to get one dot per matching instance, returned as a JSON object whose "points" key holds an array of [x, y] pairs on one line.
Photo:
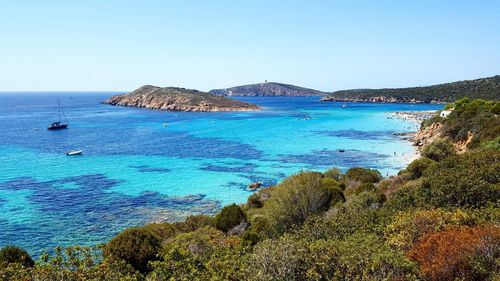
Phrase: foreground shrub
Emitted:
{"points": [[363, 175], [229, 217], [13, 254], [296, 198], [136, 246], [439, 149], [406, 228], [459, 253], [333, 173], [416, 168], [362, 256], [471, 179], [281, 259], [73, 263]]}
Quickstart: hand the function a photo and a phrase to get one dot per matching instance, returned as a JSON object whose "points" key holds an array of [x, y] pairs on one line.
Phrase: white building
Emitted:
{"points": [[445, 113]]}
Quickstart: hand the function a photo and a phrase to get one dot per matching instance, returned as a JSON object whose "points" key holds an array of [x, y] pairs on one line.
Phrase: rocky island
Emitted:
{"points": [[268, 89], [178, 99]]}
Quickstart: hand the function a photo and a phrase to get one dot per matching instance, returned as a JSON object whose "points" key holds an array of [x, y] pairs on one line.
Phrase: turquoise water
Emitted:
{"points": [[136, 170]]}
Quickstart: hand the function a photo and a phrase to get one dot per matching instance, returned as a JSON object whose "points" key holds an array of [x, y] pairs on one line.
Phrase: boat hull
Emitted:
{"points": [[60, 127]]}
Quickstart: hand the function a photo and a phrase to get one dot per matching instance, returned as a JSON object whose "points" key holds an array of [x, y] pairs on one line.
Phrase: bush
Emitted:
{"points": [[12, 254], [249, 238], [296, 198], [192, 223], [334, 191], [417, 167], [229, 217], [471, 179], [254, 201], [363, 175], [367, 186], [136, 246], [459, 253], [333, 173], [439, 149], [362, 256]]}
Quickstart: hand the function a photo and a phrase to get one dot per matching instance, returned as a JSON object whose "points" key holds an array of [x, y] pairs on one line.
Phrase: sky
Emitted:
{"points": [[119, 45]]}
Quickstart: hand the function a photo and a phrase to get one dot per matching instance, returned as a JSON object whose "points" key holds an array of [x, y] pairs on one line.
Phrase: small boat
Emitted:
{"points": [[344, 105], [74, 152], [341, 150], [59, 125]]}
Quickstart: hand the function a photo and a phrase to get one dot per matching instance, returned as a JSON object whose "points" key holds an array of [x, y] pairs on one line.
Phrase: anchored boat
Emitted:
{"points": [[74, 152], [59, 125]]}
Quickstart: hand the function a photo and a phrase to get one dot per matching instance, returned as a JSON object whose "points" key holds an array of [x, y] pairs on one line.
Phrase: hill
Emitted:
{"points": [[268, 89], [484, 88], [178, 99]]}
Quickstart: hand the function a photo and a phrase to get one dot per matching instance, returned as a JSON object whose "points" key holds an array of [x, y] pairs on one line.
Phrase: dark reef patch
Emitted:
{"points": [[246, 168], [363, 135], [148, 169], [92, 212], [335, 158]]}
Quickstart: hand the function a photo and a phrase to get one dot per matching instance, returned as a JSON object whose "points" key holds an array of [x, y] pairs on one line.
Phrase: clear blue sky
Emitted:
{"points": [[328, 45]]}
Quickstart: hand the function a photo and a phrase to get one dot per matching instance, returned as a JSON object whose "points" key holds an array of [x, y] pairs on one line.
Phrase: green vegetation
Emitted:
{"points": [[12, 254], [484, 88], [473, 122], [439, 219], [229, 217]]}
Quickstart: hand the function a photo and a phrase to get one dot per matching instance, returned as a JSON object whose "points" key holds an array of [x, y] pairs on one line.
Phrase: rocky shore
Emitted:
{"points": [[377, 99], [178, 99], [422, 136]]}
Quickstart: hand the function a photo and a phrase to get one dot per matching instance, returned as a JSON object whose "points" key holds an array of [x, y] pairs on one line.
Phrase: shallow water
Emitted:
{"points": [[143, 166]]}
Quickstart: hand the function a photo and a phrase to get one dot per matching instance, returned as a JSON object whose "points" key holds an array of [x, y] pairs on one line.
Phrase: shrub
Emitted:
{"points": [[367, 186], [471, 179], [192, 223], [439, 149], [334, 191], [281, 259], [296, 198], [363, 175], [417, 167], [254, 201], [12, 254], [459, 253], [249, 238], [361, 256], [406, 228], [229, 217], [333, 173], [136, 246]]}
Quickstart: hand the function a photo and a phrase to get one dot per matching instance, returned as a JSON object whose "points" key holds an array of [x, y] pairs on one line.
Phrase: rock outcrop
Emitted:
{"points": [[178, 99], [268, 89]]}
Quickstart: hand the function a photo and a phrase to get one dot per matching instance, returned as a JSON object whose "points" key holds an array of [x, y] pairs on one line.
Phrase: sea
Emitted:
{"points": [[144, 166]]}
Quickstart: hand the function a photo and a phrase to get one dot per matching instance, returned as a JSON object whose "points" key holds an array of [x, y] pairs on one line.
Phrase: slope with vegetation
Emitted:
{"points": [[439, 219], [484, 88], [178, 99], [268, 89]]}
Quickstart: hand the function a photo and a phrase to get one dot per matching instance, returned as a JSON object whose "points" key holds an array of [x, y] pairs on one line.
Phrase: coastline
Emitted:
{"points": [[414, 118]]}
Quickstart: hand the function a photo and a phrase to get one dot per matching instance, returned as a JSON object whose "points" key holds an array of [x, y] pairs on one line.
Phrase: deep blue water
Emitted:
{"points": [[143, 166]]}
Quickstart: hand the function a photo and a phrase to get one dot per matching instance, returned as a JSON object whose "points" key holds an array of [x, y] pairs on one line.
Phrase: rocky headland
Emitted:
{"points": [[484, 88], [178, 99], [268, 89]]}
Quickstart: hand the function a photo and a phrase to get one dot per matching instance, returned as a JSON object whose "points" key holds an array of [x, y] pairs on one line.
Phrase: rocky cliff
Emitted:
{"points": [[178, 99], [270, 89]]}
